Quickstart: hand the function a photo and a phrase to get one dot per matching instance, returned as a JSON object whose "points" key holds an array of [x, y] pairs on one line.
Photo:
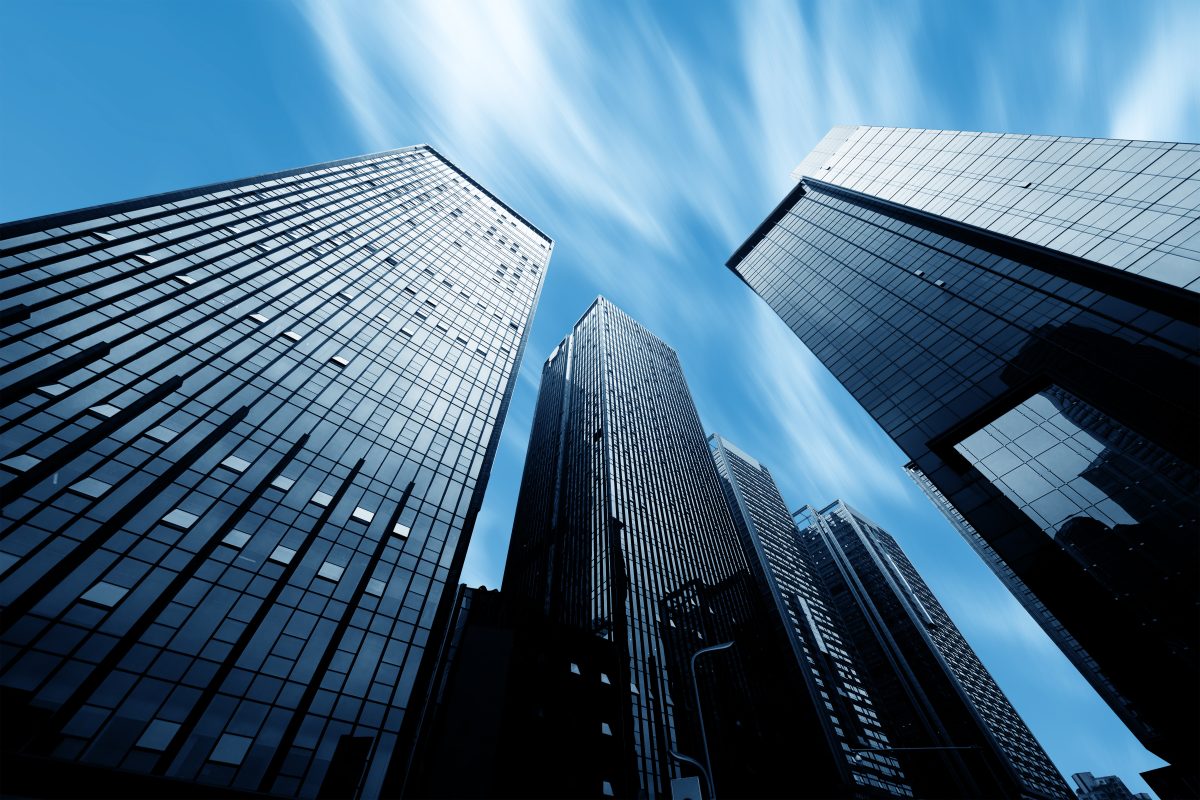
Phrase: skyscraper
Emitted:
{"points": [[830, 668], [931, 684], [246, 430], [621, 530], [1108, 787], [1019, 314]]}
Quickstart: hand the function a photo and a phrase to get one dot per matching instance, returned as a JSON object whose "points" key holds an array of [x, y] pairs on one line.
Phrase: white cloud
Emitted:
{"points": [[813, 436], [1161, 98]]}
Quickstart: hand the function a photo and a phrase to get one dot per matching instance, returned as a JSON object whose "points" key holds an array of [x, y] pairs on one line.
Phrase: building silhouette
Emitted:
{"points": [[622, 533], [830, 668], [246, 430], [956, 733], [1108, 787], [1019, 314]]}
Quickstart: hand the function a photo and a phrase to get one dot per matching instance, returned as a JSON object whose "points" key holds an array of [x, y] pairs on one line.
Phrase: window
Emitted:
{"points": [[282, 555], [231, 749], [104, 411], [401, 530], [605, 730], [90, 487], [322, 499], [236, 539], [158, 735], [330, 572], [20, 463], [375, 587], [259, 318], [292, 335], [283, 483], [178, 518], [575, 669], [186, 280], [235, 464], [104, 594], [362, 515], [161, 433], [146, 259], [341, 362], [53, 390]]}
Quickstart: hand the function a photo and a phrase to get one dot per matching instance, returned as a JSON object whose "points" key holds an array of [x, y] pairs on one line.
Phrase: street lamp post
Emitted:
{"points": [[707, 771]]}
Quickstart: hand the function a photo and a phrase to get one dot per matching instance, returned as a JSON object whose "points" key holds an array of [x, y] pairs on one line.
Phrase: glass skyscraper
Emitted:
{"points": [[245, 434], [829, 665], [931, 685], [622, 531], [1020, 314], [620, 506]]}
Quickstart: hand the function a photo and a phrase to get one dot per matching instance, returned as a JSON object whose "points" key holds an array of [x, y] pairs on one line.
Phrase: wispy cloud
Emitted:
{"points": [[815, 438], [1161, 97], [628, 141]]}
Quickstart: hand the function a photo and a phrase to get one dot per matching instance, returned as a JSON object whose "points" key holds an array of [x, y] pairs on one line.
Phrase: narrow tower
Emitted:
{"points": [[956, 731]]}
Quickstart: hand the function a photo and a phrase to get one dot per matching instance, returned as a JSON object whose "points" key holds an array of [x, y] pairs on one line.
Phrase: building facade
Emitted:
{"points": [[246, 430], [830, 669], [621, 530], [957, 732], [1019, 314], [1108, 787]]}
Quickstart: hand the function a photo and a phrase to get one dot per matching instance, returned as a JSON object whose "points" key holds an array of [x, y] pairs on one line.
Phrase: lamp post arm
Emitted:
{"points": [[712, 792]]}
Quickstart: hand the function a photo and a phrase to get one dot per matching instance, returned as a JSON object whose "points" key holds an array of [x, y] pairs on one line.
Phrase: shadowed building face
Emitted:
{"points": [[246, 432], [1019, 314]]}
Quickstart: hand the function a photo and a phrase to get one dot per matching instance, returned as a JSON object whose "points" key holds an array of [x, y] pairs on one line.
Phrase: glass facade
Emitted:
{"points": [[1125, 204], [934, 686], [620, 518], [834, 677], [1033, 349], [245, 434]]}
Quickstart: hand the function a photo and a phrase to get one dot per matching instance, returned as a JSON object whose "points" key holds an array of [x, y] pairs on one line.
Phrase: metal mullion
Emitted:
{"points": [[146, 329], [210, 261], [210, 362], [301, 177], [72, 560], [253, 627]]}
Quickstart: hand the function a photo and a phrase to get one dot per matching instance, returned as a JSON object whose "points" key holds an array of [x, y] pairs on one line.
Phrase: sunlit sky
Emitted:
{"points": [[647, 140]]}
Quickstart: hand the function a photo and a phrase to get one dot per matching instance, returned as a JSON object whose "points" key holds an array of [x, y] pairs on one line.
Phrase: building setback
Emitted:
{"points": [[1108, 787], [621, 530], [929, 683], [1019, 314], [830, 668], [245, 432]]}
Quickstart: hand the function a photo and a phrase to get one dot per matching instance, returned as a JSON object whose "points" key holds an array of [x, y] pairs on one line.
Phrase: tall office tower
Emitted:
{"points": [[1020, 314], [928, 680], [830, 669], [1109, 787], [246, 430], [621, 530]]}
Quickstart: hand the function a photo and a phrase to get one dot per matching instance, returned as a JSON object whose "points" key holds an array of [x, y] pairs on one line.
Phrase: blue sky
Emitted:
{"points": [[648, 141]]}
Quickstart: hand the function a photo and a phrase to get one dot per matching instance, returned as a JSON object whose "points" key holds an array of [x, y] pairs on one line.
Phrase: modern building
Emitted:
{"points": [[1019, 313], [245, 432], [1109, 787], [957, 734], [517, 706], [621, 530], [830, 668]]}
